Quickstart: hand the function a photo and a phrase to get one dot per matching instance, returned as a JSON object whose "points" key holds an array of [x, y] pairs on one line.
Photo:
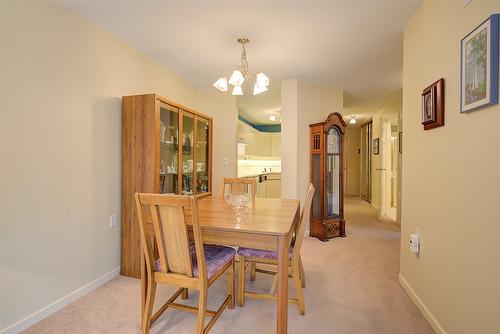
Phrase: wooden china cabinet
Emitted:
{"points": [[166, 148], [327, 211]]}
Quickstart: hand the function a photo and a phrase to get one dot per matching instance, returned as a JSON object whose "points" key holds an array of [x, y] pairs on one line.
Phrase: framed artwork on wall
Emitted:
{"points": [[479, 66], [400, 142], [433, 105], [376, 146]]}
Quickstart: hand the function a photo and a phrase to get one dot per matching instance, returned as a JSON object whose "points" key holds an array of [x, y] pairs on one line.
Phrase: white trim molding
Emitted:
{"points": [[421, 306], [43, 313]]}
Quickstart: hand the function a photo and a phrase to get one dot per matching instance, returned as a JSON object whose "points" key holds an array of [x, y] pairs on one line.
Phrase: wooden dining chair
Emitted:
{"points": [[239, 185], [259, 256], [180, 263]]}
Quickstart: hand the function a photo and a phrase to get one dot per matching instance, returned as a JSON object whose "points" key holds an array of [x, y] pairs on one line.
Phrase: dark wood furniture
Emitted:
{"points": [[166, 148], [327, 212]]}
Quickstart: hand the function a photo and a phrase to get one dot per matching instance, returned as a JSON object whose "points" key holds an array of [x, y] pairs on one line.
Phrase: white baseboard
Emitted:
{"points": [[35, 317], [421, 306]]}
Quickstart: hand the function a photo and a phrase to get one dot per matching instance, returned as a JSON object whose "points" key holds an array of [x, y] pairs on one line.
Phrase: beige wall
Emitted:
{"points": [[264, 144], [450, 180], [289, 121], [302, 104], [315, 103], [1, 174], [62, 82], [223, 108], [352, 160]]}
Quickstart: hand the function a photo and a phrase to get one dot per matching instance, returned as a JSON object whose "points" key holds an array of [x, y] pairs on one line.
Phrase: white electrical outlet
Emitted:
{"points": [[112, 221], [415, 241]]}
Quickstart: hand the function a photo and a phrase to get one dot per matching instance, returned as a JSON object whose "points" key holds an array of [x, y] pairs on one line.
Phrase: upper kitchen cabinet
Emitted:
{"points": [[166, 148]]}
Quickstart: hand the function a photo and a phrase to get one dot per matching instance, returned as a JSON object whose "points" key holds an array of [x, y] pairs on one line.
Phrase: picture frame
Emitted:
{"points": [[479, 66], [400, 142], [428, 106], [433, 105], [376, 143]]}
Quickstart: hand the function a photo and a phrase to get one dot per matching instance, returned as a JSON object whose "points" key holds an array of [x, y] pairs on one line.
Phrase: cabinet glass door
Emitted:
{"points": [[169, 147], [202, 155], [316, 180], [332, 173], [187, 153]]}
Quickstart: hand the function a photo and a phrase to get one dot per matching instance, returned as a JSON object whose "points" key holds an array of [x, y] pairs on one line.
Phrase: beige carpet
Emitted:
{"points": [[352, 287]]}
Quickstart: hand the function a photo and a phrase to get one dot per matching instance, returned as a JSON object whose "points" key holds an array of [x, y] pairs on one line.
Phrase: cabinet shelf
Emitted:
{"points": [[141, 160]]}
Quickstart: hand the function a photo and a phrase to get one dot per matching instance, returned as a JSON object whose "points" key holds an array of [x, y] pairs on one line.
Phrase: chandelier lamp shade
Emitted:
{"points": [[353, 120], [242, 76]]}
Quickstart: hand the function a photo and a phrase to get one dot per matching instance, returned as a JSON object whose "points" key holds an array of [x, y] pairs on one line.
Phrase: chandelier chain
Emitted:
{"points": [[244, 62]]}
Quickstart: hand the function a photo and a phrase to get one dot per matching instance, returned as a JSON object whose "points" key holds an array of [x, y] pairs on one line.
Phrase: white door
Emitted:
{"points": [[389, 169]]}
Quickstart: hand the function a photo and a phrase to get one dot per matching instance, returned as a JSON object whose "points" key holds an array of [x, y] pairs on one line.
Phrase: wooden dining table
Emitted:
{"points": [[266, 223]]}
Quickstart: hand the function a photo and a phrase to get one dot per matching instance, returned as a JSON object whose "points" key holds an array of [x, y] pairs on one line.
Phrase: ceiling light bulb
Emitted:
{"points": [[353, 120], [236, 78], [262, 79], [272, 118], [257, 89], [237, 90], [221, 84]]}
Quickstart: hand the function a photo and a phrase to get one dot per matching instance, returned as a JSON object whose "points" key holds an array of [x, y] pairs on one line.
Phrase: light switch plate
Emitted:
{"points": [[226, 162], [112, 221]]}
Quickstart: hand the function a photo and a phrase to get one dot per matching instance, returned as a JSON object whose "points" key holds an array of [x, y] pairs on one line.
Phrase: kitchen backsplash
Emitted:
{"points": [[255, 165]]}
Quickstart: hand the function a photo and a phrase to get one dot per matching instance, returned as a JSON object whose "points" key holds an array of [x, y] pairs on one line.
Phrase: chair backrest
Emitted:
{"points": [[299, 232], [239, 185], [168, 216]]}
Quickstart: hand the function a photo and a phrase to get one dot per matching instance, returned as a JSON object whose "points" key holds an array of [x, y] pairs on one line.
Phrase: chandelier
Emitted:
{"points": [[242, 76]]}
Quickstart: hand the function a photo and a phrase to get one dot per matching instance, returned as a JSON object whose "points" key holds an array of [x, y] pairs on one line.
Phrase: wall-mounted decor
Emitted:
{"points": [[376, 145], [400, 142], [479, 66], [433, 105]]}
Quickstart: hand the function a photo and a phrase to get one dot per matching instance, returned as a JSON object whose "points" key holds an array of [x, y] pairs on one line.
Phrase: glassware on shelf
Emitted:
{"points": [[163, 130], [169, 127], [202, 154], [163, 167]]}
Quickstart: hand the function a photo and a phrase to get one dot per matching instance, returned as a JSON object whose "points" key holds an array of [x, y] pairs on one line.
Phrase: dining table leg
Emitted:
{"points": [[282, 304]]}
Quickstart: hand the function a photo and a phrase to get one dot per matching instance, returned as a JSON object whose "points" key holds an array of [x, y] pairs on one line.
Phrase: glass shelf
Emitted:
{"points": [[169, 131], [185, 140]]}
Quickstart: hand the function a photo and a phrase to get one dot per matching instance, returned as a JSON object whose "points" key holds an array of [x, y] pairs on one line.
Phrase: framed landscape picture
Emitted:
{"points": [[479, 66]]}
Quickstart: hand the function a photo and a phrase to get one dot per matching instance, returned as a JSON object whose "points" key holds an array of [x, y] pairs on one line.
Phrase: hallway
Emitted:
{"points": [[352, 287]]}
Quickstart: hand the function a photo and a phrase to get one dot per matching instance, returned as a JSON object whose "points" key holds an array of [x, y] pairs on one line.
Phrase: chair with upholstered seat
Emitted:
{"points": [[259, 256], [181, 263]]}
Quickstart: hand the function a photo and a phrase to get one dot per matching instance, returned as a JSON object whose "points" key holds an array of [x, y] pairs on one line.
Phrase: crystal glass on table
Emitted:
{"points": [[239, 201]]}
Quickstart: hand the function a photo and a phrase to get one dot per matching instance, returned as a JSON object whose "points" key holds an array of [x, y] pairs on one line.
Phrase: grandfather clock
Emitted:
{"points": [[327, 211]]}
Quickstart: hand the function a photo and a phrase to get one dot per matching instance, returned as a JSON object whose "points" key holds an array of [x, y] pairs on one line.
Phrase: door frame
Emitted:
{"points": [[385, 178]]}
